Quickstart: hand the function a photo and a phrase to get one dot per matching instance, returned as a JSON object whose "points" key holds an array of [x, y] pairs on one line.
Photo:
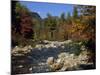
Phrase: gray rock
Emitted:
{"points": [[63, 55], [50, 60], [30, 69], [20, 66]]}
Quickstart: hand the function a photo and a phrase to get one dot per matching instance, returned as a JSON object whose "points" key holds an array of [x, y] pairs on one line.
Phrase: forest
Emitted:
{"points": [[29, 29]]}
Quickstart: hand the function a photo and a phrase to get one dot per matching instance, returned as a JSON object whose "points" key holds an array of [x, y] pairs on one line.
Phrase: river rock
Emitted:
{"points": [[50, 60], [63, 55], [20, 66], [20, 51], [68, 41], [30, 69], [56, 66]]}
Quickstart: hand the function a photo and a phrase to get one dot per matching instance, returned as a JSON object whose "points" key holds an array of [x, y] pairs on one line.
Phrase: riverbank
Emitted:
{"points": [[51, 56]]}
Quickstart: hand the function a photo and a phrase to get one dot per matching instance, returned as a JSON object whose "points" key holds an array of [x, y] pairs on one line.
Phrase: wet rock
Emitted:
{"points": [[30, 69], [20, 66], [50, 60], [39, 46], [62, 47], [46, 41], [41, 63]]}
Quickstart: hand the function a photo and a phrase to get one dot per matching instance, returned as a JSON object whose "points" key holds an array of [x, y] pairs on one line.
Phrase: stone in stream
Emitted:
{"points": [[20, 66], [47, 46], [50, 60], [63, 54], [30, 69], [39, 46], [68, 41], [62, 47], [46, 41], [41, 63]]}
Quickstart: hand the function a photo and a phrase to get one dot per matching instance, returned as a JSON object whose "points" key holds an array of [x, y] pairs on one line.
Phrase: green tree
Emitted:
{"points": [[68, 18], [50, 25], [75, 13], [50, 21], [62, 17]]}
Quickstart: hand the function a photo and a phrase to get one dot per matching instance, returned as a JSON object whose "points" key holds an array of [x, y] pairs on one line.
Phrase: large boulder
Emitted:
{"points": [[67, 61]]}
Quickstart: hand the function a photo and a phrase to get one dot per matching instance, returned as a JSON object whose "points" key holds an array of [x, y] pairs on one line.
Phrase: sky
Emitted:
{"points": [[42, 8]]}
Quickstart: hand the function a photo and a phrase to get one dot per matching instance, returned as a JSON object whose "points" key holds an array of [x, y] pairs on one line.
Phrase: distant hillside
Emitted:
{"points": [[36, 16], [37, 19]]}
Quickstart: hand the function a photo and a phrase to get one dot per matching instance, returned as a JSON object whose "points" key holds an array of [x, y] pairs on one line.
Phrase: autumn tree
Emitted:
{"points": [[88, 14], [22, 24]]}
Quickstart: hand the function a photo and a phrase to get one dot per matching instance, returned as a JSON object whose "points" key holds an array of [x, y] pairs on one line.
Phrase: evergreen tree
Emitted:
{"points": [[63, 17], [75, 13], [68, 18]]}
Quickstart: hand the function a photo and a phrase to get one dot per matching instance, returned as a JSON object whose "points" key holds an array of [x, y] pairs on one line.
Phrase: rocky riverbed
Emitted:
{"points": [[50, 56]]}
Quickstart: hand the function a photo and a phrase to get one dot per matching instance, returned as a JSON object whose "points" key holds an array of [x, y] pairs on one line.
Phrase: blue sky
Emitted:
{"points": [[42, 8]]}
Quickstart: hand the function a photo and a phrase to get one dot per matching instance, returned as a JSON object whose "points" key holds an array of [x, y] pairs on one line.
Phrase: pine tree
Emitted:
{"points": [[75, 13]]}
